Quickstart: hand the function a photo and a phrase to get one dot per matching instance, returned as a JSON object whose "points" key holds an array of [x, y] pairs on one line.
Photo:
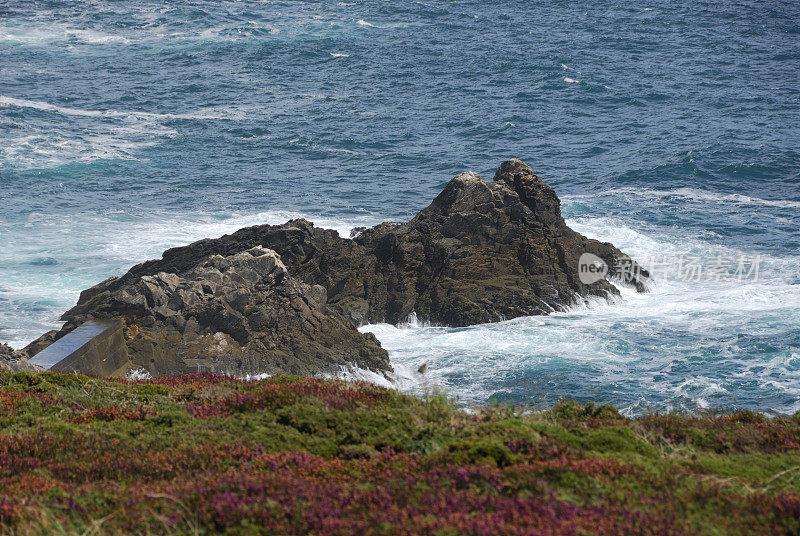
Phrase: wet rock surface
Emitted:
{"points": [[481, 252]]}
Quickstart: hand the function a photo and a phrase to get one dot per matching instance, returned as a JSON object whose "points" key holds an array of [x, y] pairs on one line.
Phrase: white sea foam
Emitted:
{"points": [[52, 148], [43, 35], [339, 55], [35, 34], [96, 38], [214, 112], [389, 26], [690, 194], [401, 377], [106, 134], [138, 374], [64, 110], [257, 377], [607, 342], [223, 34]]}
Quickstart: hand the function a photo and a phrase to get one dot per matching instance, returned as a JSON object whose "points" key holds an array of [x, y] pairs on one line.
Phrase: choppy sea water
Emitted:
{"points": [[669, 129]]}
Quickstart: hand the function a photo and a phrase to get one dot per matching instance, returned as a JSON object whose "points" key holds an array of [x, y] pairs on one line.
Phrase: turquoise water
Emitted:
{"points": [[672, 130]]}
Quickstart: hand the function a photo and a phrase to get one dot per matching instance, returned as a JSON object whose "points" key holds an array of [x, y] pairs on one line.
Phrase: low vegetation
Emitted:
{"points": [[206, 454]]}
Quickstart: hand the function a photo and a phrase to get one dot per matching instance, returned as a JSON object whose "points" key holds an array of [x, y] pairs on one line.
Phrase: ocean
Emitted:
{"points": [[671, 129]]}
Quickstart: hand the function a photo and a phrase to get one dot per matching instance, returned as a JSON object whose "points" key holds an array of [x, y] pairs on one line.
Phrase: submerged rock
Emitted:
{"points": [[481, 252]]}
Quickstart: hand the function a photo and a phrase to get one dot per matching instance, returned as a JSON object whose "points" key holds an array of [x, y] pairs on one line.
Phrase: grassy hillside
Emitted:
{"points": [[210, 455]]}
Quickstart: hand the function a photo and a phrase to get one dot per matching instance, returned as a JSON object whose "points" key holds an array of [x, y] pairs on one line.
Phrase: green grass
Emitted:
{"points": [[211, 455]]}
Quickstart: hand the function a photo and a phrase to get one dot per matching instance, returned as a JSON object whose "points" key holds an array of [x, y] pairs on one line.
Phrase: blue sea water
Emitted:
{"points": [[671, 129]]}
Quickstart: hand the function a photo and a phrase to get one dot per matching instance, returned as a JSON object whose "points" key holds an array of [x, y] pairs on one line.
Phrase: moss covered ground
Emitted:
{"points": [[205, 454]]}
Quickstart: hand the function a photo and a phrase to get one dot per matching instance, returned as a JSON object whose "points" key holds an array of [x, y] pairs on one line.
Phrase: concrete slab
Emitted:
{"points": [[96, 347]]}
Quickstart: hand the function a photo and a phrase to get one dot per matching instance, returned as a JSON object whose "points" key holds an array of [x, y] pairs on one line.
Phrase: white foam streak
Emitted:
{"points": [[35, 34], [39, 35], [105, 134], [689, 194], [402, 378], [231, 113], [138, 374], [96, 38]]}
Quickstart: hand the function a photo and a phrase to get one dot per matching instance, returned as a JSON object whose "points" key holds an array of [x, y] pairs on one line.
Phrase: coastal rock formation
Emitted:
{"points": [[481, 252], [15, 360], [239, 314]]}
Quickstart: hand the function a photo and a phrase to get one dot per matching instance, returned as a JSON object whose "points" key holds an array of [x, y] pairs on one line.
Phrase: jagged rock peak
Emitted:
{"points": [[532, 191]]}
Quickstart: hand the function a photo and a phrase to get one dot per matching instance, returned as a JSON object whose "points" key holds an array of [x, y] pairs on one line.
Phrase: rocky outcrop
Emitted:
{"points": [[15, 360], [6, 352], [481, 252], [240, 314]]}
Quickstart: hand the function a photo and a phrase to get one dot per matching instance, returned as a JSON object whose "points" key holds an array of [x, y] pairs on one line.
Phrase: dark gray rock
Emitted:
{"points": [[239, 314], [481, 252]]}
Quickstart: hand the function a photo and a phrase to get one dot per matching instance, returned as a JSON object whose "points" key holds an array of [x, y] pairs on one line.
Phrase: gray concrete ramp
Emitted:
{"points": [[95, 347]]}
